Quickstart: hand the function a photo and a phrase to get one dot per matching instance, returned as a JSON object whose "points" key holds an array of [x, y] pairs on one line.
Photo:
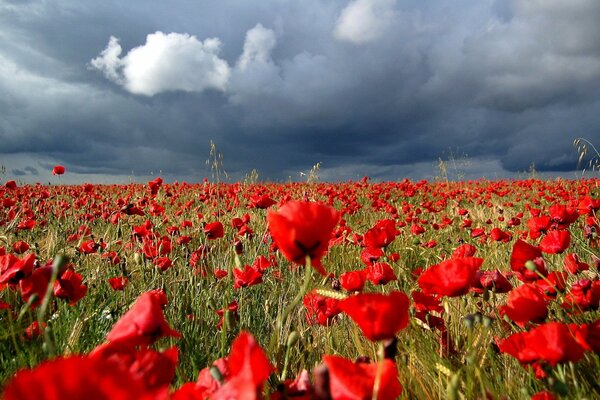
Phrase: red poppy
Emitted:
{"points": [[214, 230], [349, 380], [246, 277], [118, 283], [302, 229], [13, 269], [20, 247], [89, 247], [232, 309], [544, 395], [552, 343], [525, 254], [379, 316], [58, 170], [464, 250], [11, 185], [426, 303], [380, 273], [491, 280], [588, 335], [36, 284], [144, 323], [151, 368], [381, 235], [261, 201], [498, 235], [320, 309], [249, 368], [573, 265], [370, 255], [353, 281], [538, 225], [584, 295], [77, 377], [163, 263], [451, 278], [556, 241], [526, 303], [69, 286]]}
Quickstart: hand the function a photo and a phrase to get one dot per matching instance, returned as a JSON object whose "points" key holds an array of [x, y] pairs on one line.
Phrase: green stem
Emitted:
{"points": [[380, 360]]}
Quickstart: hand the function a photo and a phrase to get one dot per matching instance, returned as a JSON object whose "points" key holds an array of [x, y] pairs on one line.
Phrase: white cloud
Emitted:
{"points": [[258, 45], [109, 62], [364, 20], [255, 73], [166, 62]]}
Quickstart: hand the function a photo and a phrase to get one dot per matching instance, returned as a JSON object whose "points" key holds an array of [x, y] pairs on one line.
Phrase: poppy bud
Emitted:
{"points": [[487, 321], [292, 338], [216, 374], [137, 258], [468, 321], [530, 265]]}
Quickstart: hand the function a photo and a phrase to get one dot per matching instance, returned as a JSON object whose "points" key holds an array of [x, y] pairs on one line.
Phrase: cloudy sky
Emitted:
{"points": [[119, 90]]}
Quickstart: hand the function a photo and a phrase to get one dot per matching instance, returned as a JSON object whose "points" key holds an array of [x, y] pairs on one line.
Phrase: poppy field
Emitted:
{"points": [[355, 290]]}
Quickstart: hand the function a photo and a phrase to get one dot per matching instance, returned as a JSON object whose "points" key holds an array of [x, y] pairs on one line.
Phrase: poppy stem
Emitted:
{"points": [[380, 359], [303, 290]]}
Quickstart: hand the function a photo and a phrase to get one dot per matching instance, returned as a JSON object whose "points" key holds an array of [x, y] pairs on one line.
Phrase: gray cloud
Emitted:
{"points": [[281, 86]]}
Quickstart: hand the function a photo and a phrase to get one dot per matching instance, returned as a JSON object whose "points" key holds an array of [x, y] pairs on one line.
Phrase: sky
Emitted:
{"points": [[124, 91]]}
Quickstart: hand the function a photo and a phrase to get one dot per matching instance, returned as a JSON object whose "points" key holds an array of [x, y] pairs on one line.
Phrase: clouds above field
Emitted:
{"points": [[367, 87]]}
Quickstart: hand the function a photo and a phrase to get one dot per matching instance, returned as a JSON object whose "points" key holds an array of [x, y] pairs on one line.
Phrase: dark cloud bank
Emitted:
{"points": [[384, 88]]}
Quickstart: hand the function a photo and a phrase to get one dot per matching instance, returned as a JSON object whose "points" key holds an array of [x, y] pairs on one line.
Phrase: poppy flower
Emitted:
{"points": [[249, 368], [544, 395], [521, 254], [246, 277], [144, 323], [381, 235], [214, 230], [537, 226], [556, 242], [10, 185], [76, 377], [302, 229], [526, 303], [13, 269], [379, 316], [491, 280], [464, 250], [380, 273], [36, 284], [151, 368], [552, 343], [69, 286], [584, 295], [498, 235], [232, 309], [353, 281], [370, 255], [573, 265], [118, 282], [426, 303], [320, 309], [350, 380], [451, 278], [20, 247], [58, 170]]}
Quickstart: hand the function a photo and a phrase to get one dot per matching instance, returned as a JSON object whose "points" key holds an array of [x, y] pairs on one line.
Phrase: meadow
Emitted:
{"points": [[355, 290]]}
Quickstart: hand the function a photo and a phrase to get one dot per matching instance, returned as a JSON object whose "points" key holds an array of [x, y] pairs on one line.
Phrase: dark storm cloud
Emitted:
{"points": [[367, 87]]}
